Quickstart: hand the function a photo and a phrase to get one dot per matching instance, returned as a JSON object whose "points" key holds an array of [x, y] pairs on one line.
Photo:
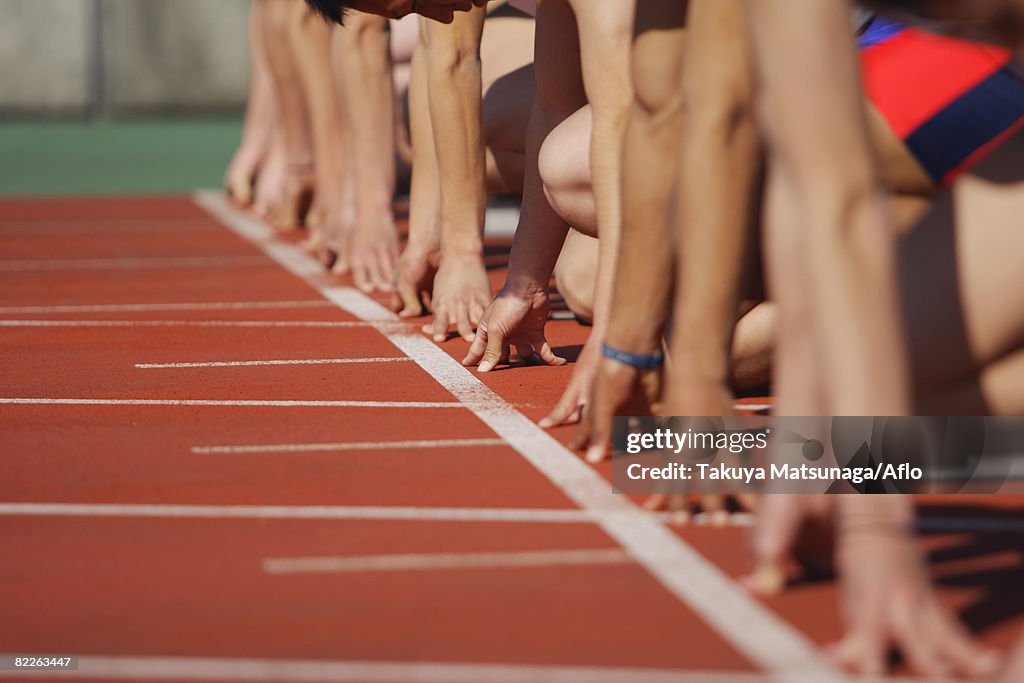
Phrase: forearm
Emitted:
{"points": [[259, 115], [605, 34], [425, 191], [310, 40], [456, 99], [717, 192], [369, 99], [541, 231], [284, 72], [815, 122]]}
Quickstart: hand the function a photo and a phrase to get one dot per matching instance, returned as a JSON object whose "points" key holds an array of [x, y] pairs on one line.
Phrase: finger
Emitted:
{"points": [[862, 651], [543, 349], [496, 351], [477, 348], [919, 648], [600, 439], [965, 655], [342, 264], [371, 268], [581, 439], [476, 313], [385, 270], [774, 536], [361, 277], [567, 410], [439, 328], [748, 502], [714, 505], [462, 322]]}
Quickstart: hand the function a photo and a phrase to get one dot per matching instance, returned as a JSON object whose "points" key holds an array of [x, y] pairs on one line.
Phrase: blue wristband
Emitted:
{"points": [[646, 361]]}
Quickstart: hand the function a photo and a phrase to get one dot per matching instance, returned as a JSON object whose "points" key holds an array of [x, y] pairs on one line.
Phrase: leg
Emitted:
{"points": [[960, 283], [506, 60]]}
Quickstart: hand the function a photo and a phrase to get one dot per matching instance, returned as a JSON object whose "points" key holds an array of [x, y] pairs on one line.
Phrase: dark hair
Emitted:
{"points": [[331, 10]]}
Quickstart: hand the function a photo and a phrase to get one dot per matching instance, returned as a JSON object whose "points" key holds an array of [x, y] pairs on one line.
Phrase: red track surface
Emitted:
{"points": [[196, 587]]}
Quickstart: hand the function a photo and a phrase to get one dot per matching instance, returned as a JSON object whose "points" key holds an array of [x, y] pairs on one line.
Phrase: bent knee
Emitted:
{"points": [[575, 274], [564, 165]]}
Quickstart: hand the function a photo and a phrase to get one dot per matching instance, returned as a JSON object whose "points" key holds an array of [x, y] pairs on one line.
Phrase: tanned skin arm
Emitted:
{"points": [[461, 287], [519, 313], [822, 157], [718, 203]]}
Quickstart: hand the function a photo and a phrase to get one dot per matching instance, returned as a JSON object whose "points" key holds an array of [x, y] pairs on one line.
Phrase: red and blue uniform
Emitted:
{"points": [[951, 101]]}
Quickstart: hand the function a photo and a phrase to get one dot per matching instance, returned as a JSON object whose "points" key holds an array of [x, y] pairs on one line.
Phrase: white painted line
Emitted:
{"points": [[330, 671], [131, 263], [349, 446], [296, 512], [765, 639], [190, 323], [232, 403], [441, 561], [754, 407], [258, 363], [144, 308]]}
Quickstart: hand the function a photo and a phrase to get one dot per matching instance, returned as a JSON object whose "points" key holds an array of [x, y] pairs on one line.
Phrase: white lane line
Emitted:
{"points": [[258, 363], [190, 323], [348, 446], [763, 637], [753, 407], [130, 263], [144, 308], [232, 403], [440, 561], [296, 512], [333, 671]]}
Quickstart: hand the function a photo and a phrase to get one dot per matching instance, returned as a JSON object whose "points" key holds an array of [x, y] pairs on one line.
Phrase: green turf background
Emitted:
{"points": [[64, 157]]}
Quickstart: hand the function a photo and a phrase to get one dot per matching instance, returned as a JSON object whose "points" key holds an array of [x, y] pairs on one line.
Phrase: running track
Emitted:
{"points": [[219, 464]]}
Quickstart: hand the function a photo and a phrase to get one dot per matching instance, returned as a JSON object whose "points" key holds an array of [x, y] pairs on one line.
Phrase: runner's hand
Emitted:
{"points": [[461, 294], [414, 284], [570, 407], [372, 253], [618, 389], [512, 319]]}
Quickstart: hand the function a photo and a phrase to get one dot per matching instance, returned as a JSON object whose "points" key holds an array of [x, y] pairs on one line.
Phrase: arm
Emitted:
{"points": [[815, 123], [365, 61], [461, 287], [605, 34], [291, 107], [518, 314], [717, 206]]}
